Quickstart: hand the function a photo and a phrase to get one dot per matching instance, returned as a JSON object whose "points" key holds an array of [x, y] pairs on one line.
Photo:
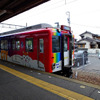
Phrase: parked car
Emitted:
{"points": [[78, 59], [81, 58], [99, 55]]}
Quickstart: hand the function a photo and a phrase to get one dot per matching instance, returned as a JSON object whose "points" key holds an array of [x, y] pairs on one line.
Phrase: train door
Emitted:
{"points": [[40, 54], [66, 51]]}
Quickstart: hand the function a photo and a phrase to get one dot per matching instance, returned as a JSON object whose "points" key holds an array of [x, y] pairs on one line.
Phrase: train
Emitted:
{"points": [[40, 46]]}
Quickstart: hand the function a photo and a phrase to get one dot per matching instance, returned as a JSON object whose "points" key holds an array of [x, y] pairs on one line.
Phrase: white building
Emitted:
{"points": [[90, 41]]}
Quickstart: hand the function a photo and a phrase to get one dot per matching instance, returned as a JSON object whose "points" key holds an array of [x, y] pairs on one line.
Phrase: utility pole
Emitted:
{"points": [[26, 24], [65, 2], [68, 19]]}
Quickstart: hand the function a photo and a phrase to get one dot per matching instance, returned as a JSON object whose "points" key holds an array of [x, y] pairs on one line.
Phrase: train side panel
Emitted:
{"points": [[31, 50]]}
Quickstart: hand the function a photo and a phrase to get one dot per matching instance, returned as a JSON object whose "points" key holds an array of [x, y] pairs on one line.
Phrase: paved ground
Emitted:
{"points": [[89, 72], [15, 87], [94, 63]]}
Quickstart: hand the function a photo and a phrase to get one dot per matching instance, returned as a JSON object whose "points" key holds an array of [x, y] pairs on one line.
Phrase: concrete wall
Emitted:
{"points": [[96, 51], [87, 43]]}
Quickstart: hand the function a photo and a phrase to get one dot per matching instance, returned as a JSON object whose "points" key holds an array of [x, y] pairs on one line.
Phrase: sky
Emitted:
{"points": [[84, 15]]}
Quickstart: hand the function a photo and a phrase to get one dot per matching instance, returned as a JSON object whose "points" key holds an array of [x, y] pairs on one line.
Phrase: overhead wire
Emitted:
{"points": [[46, 10], [51, 7], [71, 1], [85, 25]]}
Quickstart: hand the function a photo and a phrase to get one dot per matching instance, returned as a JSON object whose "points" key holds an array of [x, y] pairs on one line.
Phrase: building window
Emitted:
{"points": [[81, 46], [98, 45], [92, 46], [29, 44]]}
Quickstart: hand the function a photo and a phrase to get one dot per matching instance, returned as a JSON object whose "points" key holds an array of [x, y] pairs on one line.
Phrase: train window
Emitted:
{"points": [[13, 44], [65, 43], [6, 44], [17, 44], [2, 44], [41, 45], [55, 43], [29, 44]]}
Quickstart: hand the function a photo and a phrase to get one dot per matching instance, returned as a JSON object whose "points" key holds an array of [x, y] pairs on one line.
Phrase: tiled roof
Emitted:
{"points": [[87, 39], [96, 35], [90, 40], [85, 33]]}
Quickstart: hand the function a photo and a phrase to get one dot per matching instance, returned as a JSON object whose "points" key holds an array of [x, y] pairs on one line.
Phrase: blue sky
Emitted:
{"points": [[84, 15]]}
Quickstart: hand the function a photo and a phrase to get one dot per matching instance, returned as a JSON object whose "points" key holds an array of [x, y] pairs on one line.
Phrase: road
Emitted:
{"points": [[94, 63]]}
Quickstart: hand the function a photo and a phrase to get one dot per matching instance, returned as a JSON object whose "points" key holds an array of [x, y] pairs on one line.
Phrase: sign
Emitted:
{"points": [[67, 28]]}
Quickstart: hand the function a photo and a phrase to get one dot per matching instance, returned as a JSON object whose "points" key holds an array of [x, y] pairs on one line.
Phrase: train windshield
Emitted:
{"points": [[55, 44]]}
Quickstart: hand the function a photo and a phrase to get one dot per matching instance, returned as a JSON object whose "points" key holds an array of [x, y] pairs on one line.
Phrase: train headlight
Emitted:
{"points": [[53, 66]]}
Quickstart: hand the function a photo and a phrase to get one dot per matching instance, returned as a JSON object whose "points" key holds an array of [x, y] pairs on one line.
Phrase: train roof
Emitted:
{"points": [[26, 29]]}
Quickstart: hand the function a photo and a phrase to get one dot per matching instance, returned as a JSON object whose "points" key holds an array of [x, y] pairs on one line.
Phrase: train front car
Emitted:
{"points": [[56, 51], [66, 50], [40, 47]]}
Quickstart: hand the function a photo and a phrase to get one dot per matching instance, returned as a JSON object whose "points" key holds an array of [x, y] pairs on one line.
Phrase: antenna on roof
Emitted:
{"points": [[57, 23]]}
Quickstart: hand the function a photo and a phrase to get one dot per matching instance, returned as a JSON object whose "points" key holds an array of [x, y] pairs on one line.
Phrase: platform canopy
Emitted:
{"points": [[10, 8]]}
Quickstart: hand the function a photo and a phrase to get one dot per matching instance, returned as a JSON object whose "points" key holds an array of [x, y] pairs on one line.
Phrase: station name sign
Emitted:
{"points": [[67, 28]]}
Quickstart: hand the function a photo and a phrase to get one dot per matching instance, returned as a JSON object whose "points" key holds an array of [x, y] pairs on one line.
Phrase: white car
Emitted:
{"points": [[99, 56]]}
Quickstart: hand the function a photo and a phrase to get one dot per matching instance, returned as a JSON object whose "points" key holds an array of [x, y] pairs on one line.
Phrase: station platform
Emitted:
{"points": [[22, 83]]}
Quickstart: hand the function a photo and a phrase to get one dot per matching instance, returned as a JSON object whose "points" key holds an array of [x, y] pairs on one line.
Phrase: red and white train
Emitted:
{"points": [[40, 47]]}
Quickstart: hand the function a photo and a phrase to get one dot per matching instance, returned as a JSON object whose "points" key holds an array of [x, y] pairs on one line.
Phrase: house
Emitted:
{"points": [[90, 41]]}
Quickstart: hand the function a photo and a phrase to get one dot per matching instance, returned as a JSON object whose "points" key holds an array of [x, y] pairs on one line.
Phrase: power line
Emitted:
{"points": [[51, 8], [70, 2], [86, 25], [10, 26], [47, 10]]}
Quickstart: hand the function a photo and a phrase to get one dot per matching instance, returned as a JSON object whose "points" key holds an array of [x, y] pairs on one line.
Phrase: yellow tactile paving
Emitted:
{"points": [[70, 95]]}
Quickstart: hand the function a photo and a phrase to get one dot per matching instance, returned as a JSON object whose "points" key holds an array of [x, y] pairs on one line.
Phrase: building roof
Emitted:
{"points": [[87, 32], [89, 40], [81, 43], [10, 8]]}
